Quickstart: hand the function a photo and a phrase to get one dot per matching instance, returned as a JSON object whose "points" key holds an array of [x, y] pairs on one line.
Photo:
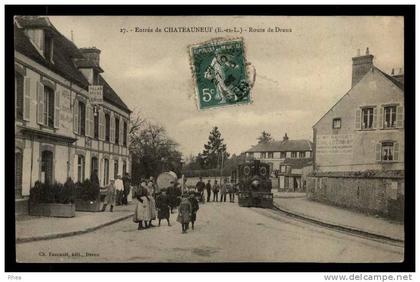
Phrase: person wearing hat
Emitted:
{"points": [[200, 186], [208, 189], [110, 196], [194, 208], [184, 212], [216, 189], [162, 204], [119, 187]]}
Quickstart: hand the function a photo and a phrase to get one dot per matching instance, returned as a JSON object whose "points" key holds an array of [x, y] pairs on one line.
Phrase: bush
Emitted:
{"points": [[87, 191], [52, 193]]}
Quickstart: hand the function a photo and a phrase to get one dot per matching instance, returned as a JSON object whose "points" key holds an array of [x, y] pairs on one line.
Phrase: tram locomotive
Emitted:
{"points": [[254, 184]]}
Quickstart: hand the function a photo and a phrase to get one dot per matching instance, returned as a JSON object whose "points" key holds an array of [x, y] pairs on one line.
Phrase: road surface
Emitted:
{"points": [[224, 232]]}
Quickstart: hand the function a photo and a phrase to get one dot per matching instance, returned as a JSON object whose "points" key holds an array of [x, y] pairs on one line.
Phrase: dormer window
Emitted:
{"points": [[37, 38], [43, 42]]}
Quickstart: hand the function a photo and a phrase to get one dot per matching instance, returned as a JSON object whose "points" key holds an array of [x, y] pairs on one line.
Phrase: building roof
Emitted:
{"points": [[397, 82], [298, 163], [111, 97], [282, 146], [64, 52], [65, 55]]}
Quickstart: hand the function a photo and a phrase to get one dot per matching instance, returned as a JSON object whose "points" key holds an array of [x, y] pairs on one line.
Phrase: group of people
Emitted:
{"points": [[225, 188], [154, 203], [116, 192]]}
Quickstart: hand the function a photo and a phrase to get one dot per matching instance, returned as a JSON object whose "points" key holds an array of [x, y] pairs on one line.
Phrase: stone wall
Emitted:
{"points": [[381, 196]]}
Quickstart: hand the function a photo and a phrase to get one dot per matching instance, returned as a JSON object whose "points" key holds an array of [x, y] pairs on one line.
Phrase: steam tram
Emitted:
{"points": [[254, 184]]}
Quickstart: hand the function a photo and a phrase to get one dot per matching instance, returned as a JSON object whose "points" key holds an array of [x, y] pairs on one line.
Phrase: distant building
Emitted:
{"points": [[359, 142], [293, 173], [60, 130], [287, 155]]}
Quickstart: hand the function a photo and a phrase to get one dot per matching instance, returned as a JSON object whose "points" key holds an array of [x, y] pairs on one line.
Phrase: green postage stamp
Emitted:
{"points": [[220, 73]]}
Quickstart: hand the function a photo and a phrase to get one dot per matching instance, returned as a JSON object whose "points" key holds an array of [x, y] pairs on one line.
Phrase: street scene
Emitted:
{"points": [[209, 139]]}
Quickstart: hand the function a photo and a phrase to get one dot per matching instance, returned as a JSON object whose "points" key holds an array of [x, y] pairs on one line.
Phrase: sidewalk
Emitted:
{"points": [[341, 217], [34, 228]]}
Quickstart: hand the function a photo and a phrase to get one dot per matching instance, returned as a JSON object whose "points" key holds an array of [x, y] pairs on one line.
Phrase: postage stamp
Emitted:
{"points": [[220, 73]]}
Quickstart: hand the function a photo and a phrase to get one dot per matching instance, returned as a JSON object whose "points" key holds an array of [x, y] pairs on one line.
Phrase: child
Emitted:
{"points": [[194, 208], [184, 212]]}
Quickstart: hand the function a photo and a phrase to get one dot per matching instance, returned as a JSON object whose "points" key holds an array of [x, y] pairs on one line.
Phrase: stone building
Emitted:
{"points": [[68, 120], [359, 143]]}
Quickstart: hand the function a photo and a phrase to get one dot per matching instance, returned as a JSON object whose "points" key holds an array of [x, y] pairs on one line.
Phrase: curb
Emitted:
{"points": [[338, 227], [70, 233]]}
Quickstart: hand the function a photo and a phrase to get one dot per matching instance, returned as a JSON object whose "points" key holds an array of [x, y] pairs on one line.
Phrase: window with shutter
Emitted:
{"points": [[92, 129], [101, 125], [107, 127], [375, 115], [121, 131], [400, 116], [396, 151], [117, 130], [76, 116], [27, 99], [57, 109], [112, 128], [19, 94], [40, 103], [88, 122], [380, 117], [357, 123]]}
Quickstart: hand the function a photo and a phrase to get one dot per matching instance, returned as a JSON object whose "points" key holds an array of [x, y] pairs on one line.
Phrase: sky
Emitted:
{"points": [[300, 75]]}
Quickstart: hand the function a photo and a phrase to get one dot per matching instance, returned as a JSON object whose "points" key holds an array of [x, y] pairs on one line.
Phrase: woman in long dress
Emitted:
{"points": [[152, 203], [162, 204], [184, 212], [142, 210]]}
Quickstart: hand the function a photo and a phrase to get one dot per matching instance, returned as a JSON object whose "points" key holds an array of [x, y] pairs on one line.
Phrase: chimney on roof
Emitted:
{"points": [[399, 76], [91, 54], [361, 65], [285, 137]]}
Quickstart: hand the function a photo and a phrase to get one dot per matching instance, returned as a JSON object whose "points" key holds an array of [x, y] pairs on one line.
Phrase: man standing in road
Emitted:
{"points": [[110, 196], [119, 187], [126, 181], [208, 189], [216, 189], [200, 189], [223, 191]]}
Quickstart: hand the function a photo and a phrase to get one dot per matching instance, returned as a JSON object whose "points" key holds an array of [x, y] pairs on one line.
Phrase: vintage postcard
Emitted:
{"points": [[191, 139]]}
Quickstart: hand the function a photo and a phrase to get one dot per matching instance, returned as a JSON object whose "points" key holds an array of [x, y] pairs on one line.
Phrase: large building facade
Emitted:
{"points": [[290, 161], [359, 142], [69, 122]]}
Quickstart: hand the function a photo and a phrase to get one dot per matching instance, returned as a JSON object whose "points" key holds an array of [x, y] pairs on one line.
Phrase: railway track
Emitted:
{"points": [[343, 229]]}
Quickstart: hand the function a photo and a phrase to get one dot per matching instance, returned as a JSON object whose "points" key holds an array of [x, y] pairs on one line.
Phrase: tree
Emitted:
{"points": [[214, 151], [265, 137], [152, 150]]}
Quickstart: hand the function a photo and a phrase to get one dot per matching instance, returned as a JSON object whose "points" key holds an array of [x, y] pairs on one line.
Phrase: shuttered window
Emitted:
{"points": [[80, 168], [125, 134], [387, 151], [390, 116], [19, 89], [107, 127], [82, 118], [106, 171], [96, 126], [117, 130], [49, 107], [18, 173]]}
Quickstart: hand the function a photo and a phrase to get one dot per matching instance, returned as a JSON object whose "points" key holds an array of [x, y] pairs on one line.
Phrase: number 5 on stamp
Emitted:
{"points": [[220, 74]]}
